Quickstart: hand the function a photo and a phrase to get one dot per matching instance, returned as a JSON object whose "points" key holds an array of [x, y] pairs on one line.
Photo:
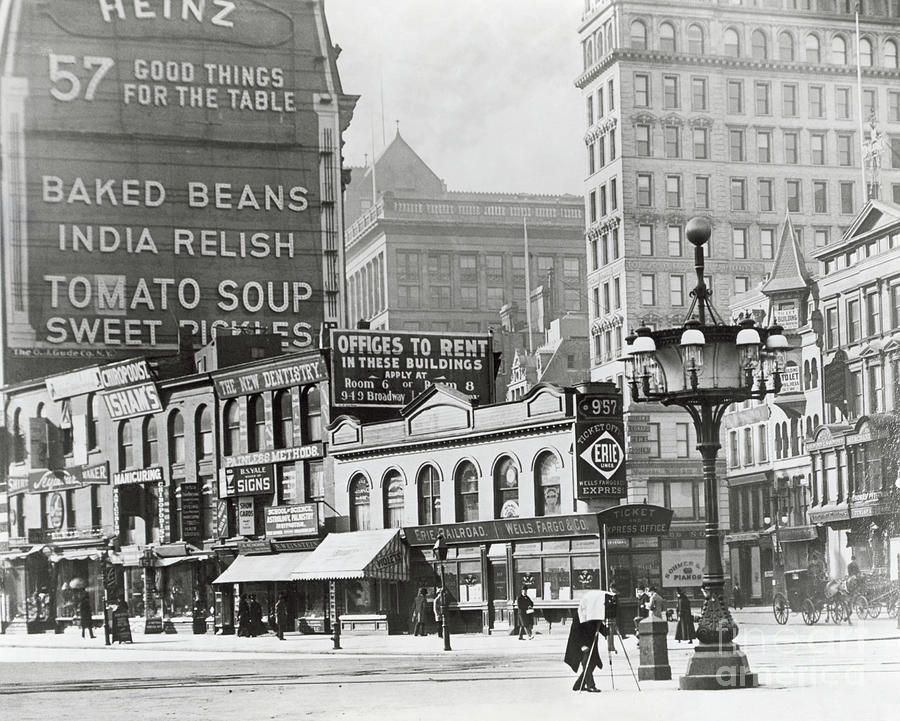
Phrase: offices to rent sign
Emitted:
{"points": [[389, 369], [132, 239]]}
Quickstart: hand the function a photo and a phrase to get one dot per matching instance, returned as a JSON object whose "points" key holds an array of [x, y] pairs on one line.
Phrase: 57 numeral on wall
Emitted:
{"points": [[67, 85]]}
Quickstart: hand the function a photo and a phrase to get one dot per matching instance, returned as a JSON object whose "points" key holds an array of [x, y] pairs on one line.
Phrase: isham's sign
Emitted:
{"points": [[168, 178]]}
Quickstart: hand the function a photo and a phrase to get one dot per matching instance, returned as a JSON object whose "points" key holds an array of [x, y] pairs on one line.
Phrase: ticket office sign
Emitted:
{"points": [[600, 460], [128, 227]]}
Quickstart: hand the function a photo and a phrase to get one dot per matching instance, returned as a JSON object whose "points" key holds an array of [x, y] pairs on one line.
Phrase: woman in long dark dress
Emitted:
{"points": [[685, 629]]}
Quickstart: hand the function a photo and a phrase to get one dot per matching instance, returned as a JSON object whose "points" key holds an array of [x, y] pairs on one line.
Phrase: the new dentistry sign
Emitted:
{"points": [[162, 173]]}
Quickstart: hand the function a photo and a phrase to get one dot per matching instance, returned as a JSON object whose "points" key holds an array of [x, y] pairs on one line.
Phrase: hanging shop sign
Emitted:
{"points": [[513, 529], [682, 567], [222, 526], [600, 460], [44, 480], [153, 474], [129, 390], [277, 455], [191, 517], [248, 480], [75, 383], [301, 519], [152, 244], [246, 516], [636, 519], [298, 371], [389, 369]]}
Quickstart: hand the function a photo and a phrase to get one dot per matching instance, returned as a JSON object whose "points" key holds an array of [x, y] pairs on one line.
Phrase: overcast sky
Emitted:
{"points": [[483, 89]]}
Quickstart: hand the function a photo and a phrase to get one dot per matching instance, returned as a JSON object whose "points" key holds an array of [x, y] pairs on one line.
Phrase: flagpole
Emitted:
{"points": [[527, 286], [859, 97]]}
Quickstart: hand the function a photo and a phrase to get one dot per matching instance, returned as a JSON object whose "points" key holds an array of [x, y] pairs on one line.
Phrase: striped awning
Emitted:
{"points": [[358, 554], [261, 568]]}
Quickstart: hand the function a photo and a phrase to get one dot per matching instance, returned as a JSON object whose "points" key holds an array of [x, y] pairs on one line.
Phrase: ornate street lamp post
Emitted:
{"points": [[704, 367], [443, 602]]}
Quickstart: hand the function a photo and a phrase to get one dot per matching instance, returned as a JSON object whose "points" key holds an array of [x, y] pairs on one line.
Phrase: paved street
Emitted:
{"points": [[821, 672]]}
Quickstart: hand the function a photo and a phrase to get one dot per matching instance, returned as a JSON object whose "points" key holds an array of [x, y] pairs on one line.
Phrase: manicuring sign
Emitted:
{"points": [[152, 474], [390, 368], [301, 519], [636, 519], [600, 460]]}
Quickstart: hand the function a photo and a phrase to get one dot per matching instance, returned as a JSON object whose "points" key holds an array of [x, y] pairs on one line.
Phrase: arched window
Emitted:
{"points": [[393, 489], [256, 423], [806, 376], [93, 427], [809, 426], [815, 421], [785, 440], [814, 373], [838, 50], [203, 426], [151, 441], [786, 47], [890, 55], [865, 52], [18, 438], [588, 53], [638, 35], [126, 445], [732, 43], [466, 482], [667, 41], [813, 49], [429, 490], [696, 43], [759, 46], [313, 407], [547, 485], [359, 503], [231, 439], [777, 441], [39, 411], [284, 419], [176, 437], [506, 489], [795, 437]]}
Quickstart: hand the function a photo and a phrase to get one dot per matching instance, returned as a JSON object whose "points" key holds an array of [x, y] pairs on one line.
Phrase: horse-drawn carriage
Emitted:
{"points": [[810, 595]]}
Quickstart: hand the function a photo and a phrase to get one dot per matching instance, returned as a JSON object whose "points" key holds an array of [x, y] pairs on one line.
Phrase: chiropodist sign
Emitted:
{"points": [[386, 368], [162, 176]]}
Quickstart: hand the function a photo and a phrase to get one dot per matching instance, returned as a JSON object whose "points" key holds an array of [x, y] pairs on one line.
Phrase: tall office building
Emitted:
{"points": [[739, 111]]}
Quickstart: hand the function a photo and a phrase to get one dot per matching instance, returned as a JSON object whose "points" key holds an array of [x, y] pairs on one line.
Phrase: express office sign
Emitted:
{"points": [[513, 529], [636, 519]]}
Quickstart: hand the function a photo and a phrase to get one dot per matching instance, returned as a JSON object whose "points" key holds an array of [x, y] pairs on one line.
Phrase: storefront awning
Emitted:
{"points": [[358, 554], [23, 553], [166, 562], [270, 567], [77, 554]]}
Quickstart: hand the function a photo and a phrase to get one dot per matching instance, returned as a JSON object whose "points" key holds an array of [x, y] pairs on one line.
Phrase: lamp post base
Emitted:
{"points": [[715, 667]]}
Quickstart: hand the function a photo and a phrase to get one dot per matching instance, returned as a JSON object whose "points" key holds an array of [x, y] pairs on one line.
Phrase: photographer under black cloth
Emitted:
{"points": [[583, 650]]}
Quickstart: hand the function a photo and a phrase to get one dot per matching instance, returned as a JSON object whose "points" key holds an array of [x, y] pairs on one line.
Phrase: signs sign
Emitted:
{"points": [[152, 474], [513, 529], [62, 479], [682, 567], [636, 519], [246, 514], [277, 455], [298, 370], [191, 519], [121, 239], [301, 519], [249, 480], [388, 369]]}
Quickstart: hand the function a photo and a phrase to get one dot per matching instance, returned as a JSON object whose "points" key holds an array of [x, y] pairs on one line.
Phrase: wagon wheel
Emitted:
{"points": [[780, 608], [809, 612], [861, 606], [892, 606], [874, 609], [817, 607], [835, 611]]}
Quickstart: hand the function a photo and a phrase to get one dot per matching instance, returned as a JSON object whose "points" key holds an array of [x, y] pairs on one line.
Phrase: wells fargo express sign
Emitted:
{"points": [[512, 529], [167, 163], [386, 368]]}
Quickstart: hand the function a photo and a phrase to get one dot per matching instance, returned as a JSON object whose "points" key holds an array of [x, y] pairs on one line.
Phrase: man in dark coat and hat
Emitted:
{"points": [[583, 650]]}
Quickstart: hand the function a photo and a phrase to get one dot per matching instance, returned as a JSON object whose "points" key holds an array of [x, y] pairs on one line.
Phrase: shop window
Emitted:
{"points": [[93, 421], [499, 584], [585, 575], [429, 495], [547, 485], [151, 442], [528, 576], [96, 508], [470, 581], [466, 492], [315, 480], [313, 407], [506, 489], [207, 507], [557, 578], [394, 490], [176, 437], [284, 419], [203, 425], [126, 445], [232, 437], [256, 423], [359, 503]]}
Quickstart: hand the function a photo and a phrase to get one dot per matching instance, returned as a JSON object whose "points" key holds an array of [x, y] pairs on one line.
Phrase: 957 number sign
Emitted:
{"points": [[595, 406]]}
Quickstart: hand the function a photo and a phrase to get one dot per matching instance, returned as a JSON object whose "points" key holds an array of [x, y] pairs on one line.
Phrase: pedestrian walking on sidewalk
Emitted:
{"points": [[281, 614], [525, 607], [244, 616], [737, 596], [256, 622], [583, 651], [657, 605], [685, 630], [87, 615], [420, 603]]}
